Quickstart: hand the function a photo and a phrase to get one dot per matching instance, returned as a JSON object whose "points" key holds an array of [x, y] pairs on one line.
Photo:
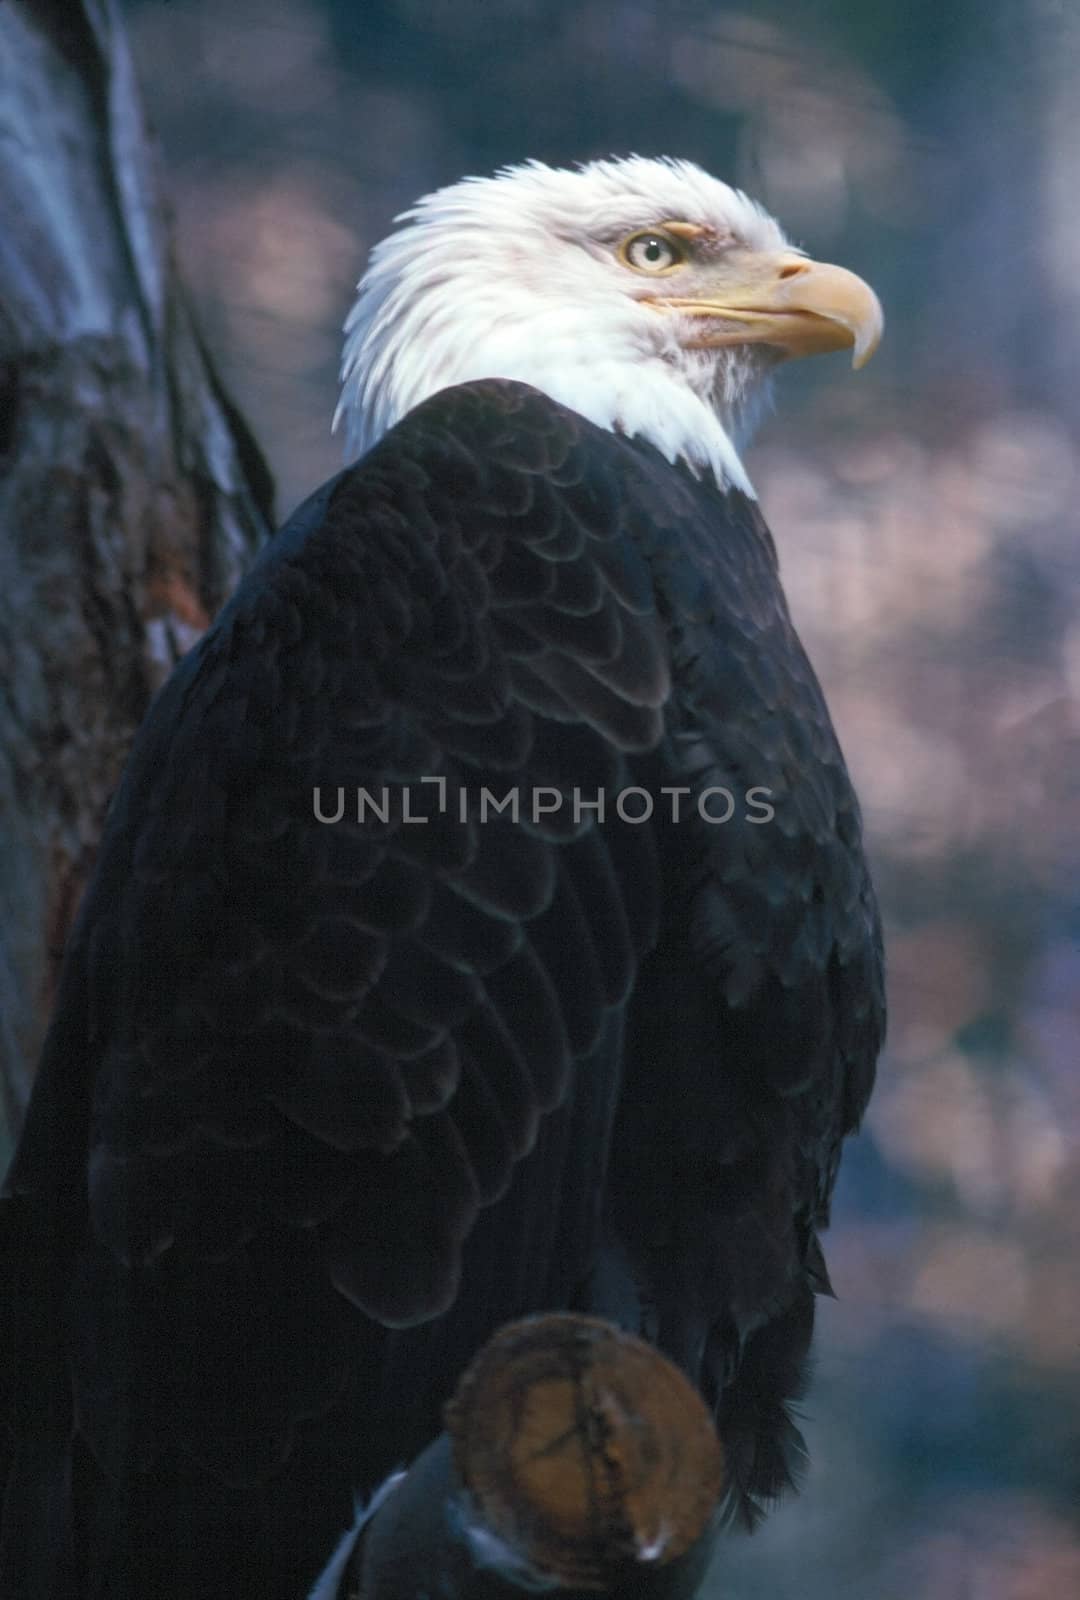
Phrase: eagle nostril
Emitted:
{"points": [[794, 269]]}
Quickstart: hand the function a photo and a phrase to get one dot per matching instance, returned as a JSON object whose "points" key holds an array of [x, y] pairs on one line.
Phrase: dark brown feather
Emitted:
{"points": [[324, 1103]]}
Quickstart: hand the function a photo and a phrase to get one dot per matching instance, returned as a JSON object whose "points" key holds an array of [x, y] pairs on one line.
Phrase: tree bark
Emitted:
{"points": [[131, 493]]}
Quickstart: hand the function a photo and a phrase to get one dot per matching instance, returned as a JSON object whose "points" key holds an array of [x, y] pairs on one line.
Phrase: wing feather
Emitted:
{"points": [[312, 1080]]}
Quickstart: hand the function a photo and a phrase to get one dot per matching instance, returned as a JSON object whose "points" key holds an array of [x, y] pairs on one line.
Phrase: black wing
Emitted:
{"points": [[324, 1102], [294, 1060]]}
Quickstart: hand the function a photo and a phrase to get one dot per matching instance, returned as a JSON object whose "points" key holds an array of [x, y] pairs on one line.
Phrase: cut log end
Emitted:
{"points": [[585, 1450]]}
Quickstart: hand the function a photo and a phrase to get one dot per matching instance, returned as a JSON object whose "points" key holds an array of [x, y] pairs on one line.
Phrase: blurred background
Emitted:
{"points": [[925, 512]]}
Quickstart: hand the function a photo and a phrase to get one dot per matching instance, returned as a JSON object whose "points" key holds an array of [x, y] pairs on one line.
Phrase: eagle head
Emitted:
{"points": [[644, 294]]}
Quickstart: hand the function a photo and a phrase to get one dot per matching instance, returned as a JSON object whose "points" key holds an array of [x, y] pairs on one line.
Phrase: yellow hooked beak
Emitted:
{"points": [[780, 298]]}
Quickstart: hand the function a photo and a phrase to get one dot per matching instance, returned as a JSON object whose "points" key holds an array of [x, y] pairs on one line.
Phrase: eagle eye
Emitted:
{"points": [[651, 252]]}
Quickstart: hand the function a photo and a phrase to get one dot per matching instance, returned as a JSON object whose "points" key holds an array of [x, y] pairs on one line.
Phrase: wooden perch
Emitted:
{"points": [[577, 1461]]}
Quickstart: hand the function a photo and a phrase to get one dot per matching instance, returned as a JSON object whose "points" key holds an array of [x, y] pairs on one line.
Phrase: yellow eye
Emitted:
{"points": [[651, 252]]}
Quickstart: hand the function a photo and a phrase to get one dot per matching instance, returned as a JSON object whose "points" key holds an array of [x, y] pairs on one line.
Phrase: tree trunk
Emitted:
{"points": [[131, 493]]}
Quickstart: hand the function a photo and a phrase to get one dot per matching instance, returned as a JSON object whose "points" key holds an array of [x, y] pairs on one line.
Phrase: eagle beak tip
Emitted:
{"points": [[868, 335]]}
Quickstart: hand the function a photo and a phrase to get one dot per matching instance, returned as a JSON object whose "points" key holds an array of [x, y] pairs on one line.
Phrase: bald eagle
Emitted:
{"points": [[481, 925]]}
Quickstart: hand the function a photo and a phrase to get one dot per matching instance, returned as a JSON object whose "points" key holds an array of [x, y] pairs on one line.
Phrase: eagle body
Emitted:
{"points": [[354, 1060]]}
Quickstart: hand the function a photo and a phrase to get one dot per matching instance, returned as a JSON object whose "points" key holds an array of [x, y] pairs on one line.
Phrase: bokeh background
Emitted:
{"points": [[926, 517]]}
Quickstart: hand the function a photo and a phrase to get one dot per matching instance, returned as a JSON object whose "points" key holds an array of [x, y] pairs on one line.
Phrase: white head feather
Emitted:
{"points": [[517, 276]]}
